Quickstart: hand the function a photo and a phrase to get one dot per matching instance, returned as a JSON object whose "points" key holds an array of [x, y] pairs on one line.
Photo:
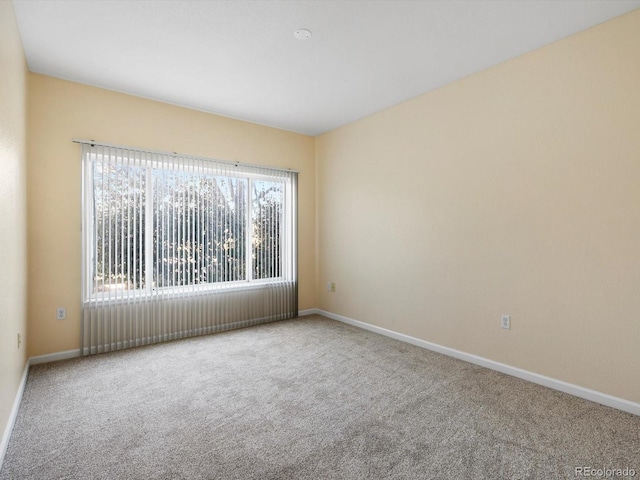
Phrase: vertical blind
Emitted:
{"points": [[177, 246]]}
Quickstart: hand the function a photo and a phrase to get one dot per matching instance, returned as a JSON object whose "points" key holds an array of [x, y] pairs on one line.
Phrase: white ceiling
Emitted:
{"points": [[240, 58]]}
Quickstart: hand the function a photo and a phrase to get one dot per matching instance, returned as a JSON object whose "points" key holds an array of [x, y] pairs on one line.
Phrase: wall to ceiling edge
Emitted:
{"points": [[513, 191], [60, 110]]}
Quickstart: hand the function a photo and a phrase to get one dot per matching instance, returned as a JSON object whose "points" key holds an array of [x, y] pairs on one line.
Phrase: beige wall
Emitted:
{"points": [[515, 191], [13, 209], [61, 110]]}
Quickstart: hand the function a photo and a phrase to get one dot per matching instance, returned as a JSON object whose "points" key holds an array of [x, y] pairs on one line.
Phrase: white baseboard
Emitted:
{"points": [[13, 415], [54, 357], [576, 390], [310, 311]]}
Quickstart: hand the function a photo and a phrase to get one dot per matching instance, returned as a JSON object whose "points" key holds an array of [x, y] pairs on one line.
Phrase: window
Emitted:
{"points": [[177, 246], [170, 224]]}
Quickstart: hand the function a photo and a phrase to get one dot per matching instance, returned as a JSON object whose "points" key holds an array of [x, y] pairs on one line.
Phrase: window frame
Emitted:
{"points": [[150, 290]]}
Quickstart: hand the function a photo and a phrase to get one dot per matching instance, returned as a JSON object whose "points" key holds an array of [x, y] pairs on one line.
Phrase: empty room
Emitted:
{"points": [[319, 239]]}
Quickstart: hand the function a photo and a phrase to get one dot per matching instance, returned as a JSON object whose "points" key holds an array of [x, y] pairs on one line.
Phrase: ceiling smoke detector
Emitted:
{"points": [[302, 34]]}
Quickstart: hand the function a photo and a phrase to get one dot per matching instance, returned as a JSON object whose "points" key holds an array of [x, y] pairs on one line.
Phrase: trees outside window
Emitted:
{"points": [[157, 226]]}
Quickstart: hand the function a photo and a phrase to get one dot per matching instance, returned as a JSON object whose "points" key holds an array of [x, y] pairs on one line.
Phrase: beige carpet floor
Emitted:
{"points": [[309, 398]]}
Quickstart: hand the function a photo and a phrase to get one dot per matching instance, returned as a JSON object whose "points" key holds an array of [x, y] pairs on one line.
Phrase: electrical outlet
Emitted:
{"points": [[505, 322], [19, 340], [61, 313], [328, 286]]}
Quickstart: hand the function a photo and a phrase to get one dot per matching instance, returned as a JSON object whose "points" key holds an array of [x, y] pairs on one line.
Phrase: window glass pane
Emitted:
{"points": [[199, 228], [266, 223], [118, 246], [156, 223]]}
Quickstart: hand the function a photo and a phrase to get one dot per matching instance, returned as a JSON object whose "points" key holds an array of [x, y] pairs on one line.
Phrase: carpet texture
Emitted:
{"points": [[306, 398]]}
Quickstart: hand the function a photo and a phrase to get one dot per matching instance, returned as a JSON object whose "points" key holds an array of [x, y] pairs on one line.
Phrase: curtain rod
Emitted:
{"points": [[93, 143]]}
